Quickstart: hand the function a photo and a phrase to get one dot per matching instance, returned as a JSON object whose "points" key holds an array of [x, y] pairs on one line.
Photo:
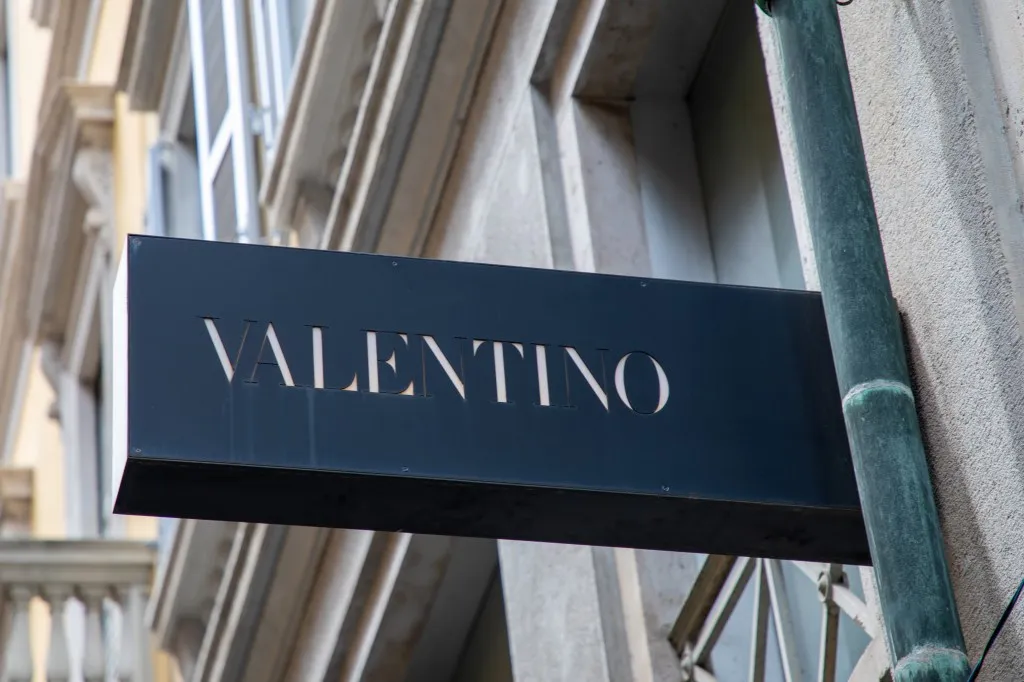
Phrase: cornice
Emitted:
{"points": [[148, 49], [78, 562]]}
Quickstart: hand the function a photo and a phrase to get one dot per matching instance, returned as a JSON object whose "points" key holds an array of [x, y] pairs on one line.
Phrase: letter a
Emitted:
{"points": [[280, 361]]}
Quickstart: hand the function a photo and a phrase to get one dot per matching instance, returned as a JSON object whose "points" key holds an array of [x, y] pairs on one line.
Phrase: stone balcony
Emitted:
{"points": [[95, 593]]}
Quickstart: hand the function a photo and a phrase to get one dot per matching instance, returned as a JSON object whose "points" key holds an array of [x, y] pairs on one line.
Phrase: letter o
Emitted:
{"points": [[620, 381]]}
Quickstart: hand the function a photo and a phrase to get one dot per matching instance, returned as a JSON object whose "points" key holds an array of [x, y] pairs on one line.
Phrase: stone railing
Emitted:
{"points": [[74, 610]]}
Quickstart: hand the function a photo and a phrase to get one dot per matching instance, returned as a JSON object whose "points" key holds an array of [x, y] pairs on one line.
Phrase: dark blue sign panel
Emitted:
{"points": [[302, 387]]}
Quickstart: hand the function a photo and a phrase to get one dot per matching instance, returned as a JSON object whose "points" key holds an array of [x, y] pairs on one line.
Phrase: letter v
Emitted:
{"points": [[218, 345]]}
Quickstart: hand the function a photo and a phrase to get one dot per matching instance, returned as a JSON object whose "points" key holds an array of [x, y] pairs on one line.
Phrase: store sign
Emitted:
{"points": [[301, 387]]}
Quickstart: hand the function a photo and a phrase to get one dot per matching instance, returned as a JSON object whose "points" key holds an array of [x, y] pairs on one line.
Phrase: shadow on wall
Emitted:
{"points": [[957, 456]]}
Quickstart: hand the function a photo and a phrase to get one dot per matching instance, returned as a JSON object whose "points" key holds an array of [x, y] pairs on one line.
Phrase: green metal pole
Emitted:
{"points": [[914, 588]]}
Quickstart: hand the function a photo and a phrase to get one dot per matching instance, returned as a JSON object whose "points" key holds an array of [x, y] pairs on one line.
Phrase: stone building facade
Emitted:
{"points": [[643, 137]]}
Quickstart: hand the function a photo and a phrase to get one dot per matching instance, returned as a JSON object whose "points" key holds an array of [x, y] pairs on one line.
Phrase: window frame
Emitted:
{"points": [[172, 182], [235, 132], [274, 56]]}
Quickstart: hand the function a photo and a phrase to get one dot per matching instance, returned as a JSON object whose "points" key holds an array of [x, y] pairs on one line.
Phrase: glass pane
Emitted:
{"points": [[215, 64], [298, 10], [224, 213]]}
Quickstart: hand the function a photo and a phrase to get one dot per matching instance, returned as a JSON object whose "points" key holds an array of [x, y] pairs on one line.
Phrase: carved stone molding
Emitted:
{"points": [[93, 174], [66, 180], [331, 73], [410, 123], [186, 587]]}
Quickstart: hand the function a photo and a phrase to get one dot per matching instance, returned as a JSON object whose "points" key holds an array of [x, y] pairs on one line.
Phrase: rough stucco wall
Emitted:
{"points": [[951, 279]]}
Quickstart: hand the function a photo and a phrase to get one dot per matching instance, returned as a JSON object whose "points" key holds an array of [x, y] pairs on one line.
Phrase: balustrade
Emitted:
{"points": [[94, 592]]}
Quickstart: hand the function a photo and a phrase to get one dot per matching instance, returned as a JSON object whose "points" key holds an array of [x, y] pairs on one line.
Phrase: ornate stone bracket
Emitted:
{"points": [[92, 172], [65, 181]]}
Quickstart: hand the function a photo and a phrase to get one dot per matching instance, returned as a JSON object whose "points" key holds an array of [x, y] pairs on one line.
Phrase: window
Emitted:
{"points": [[277, 27], [223, 108], [713, 189], [173, 192], [230, 42], [173, 208]]}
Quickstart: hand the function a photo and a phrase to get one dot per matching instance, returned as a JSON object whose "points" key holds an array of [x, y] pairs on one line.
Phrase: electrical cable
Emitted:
{"points": [[995, 633]]}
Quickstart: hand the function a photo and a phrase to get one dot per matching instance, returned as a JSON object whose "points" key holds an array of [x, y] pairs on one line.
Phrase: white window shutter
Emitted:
{"points": [[224, 136]]}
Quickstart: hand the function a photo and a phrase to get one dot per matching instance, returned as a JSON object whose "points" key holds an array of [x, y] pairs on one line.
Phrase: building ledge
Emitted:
{"points": [[77, 562]]}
